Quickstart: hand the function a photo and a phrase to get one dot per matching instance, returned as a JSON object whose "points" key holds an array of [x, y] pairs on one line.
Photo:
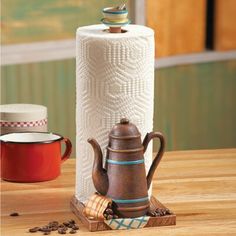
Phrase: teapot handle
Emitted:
{"points": [[157, 159]]}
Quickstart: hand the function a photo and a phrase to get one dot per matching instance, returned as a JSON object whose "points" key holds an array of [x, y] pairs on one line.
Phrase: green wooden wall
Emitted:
{"points": [[24, 21], [194, 104]]}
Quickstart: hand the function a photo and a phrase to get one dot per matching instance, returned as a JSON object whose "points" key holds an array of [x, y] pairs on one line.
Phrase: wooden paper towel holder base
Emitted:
{"points": [[98, 225]]}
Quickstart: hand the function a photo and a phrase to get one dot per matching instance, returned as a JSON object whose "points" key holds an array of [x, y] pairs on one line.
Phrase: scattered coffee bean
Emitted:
{"points": [[75, 227], [72, 231], [33, 230], [61, 231], [168, 212], [46, 228], [109, 217], [71, 221], [151, 213], [66, 223], [14, 214], [109, 211], [55, 226]]}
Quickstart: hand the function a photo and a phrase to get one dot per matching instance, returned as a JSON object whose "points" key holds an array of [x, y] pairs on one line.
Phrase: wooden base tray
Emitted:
{"points": [[98, 225]]}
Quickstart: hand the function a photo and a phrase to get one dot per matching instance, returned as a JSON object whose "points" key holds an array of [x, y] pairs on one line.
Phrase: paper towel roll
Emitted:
{"points": [[114, 79]]}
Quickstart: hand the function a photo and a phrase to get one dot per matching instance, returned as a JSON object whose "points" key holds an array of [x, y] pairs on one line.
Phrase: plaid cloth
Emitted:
{"points": [[127, 223], [96, 206]]}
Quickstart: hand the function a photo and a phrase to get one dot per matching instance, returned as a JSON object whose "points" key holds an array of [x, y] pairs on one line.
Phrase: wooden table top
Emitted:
{"points": [[199, 186]]}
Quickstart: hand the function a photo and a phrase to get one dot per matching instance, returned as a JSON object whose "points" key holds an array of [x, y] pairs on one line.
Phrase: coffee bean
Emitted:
{"points": [[151, 213], [168, 212], [72, 231], [159, 212], [75, 227], [46, 228], [109, 211], [71, 221], [54, 228], [109, 217], [14, 214], [61, 231], [53, 224], [33, 230], [66, 223]]}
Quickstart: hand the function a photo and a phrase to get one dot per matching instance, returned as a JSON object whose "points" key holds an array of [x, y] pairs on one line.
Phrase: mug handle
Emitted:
{"points": [[68, 150], [159, 155]]}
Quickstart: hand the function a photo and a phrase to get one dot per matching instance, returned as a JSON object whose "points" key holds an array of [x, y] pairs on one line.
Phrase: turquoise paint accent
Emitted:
{"points": [[130, 200], [121, 224], [125, 162], [114, 12], [131, 222]]}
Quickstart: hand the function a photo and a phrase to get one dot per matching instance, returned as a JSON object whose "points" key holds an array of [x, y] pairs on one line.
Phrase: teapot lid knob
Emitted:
{"points": [[124, 121]]}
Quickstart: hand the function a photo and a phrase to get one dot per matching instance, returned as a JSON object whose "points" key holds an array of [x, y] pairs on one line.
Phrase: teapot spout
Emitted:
{"points": [[99, 174]]}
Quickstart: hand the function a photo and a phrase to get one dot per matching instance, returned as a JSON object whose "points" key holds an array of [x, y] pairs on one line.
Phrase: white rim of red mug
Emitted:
{"points": [[60, 137]]}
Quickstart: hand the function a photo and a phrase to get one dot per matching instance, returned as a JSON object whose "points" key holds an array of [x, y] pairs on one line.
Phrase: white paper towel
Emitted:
{"points": [[114, 79]]}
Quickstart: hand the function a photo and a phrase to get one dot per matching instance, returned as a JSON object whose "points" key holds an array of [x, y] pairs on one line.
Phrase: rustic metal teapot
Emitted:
{"points": [[124, 179]]}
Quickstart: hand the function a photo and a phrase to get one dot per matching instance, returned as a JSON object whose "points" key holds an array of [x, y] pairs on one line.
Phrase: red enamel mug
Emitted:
{"points": [[32, 156]]}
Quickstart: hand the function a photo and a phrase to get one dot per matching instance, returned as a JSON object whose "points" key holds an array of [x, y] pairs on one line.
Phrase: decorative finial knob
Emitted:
{"points": [[124, 121], [115, 18]]}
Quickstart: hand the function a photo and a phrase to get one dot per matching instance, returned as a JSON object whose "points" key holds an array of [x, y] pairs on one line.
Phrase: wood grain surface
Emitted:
{"points": [[199, 186], [225, 30], [179, 25]]}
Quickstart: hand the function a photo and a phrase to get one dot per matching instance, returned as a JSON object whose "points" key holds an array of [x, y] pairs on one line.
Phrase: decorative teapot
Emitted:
{"points": [[124, 180]]}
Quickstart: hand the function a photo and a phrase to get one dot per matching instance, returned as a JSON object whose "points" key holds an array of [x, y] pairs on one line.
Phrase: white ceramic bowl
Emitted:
{"points": [[110, 14]]}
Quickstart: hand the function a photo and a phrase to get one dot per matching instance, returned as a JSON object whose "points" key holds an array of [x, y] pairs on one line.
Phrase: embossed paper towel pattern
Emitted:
{"points": [[114, 79]]}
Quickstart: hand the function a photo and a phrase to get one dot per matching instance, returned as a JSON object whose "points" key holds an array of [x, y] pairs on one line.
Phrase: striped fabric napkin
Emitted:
{"points": [[96, 206]]}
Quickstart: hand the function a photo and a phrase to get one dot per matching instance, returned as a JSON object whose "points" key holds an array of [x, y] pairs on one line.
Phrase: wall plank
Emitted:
{"points": [[225, 30], [179, 25], [195, 105]]}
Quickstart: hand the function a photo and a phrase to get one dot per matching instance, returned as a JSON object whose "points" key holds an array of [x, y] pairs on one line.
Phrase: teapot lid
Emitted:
{"points": [[124, 129]]}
